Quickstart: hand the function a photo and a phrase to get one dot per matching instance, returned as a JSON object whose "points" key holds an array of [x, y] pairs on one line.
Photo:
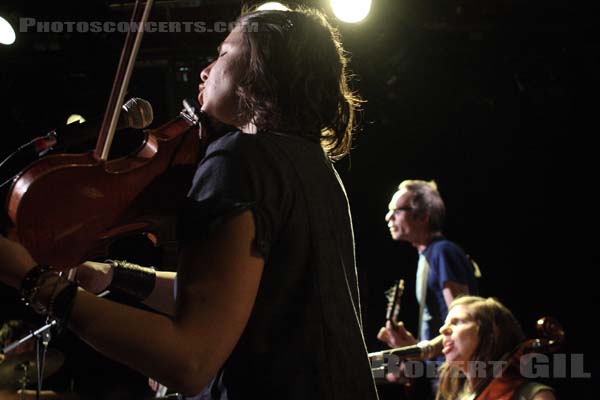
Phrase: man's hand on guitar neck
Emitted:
{"points": [[396, 336]]}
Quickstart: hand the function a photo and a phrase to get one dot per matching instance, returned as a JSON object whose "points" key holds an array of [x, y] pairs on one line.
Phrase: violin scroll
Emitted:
{"points": [[552, 332], [209, 129]]}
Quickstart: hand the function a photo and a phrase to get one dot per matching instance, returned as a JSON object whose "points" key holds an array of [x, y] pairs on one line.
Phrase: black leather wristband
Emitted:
{"points": [[132, 280], [62, 304]]}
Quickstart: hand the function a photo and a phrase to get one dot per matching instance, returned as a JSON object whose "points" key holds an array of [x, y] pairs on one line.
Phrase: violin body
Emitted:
{"points": [[505, 386], [67, 207]]}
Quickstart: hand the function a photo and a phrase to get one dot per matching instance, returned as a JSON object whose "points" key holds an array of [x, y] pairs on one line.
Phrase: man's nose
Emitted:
{"points": [[204, 73], [388, 216]]}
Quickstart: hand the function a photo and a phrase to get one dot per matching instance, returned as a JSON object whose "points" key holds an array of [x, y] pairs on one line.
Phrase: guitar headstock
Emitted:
{"points": [[393, 295]]}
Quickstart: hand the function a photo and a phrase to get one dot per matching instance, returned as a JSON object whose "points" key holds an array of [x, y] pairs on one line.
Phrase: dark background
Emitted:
{"points": [[495, 100]]}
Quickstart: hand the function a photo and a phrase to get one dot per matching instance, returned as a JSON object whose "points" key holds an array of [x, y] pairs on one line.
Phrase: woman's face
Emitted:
{"points": [[461, 337], [220, 80]]}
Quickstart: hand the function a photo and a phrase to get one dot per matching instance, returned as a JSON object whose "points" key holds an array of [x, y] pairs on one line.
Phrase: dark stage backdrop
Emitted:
{"points": [[498, 106]]}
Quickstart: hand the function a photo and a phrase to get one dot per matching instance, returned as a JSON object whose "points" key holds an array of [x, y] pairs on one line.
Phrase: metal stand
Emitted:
{"points": [[42, 336]]}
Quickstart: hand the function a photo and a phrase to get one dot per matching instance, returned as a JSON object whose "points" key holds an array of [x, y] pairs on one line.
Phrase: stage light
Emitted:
{"points": [[273, 5], [74, 118], [351, 10], [7, 32]]}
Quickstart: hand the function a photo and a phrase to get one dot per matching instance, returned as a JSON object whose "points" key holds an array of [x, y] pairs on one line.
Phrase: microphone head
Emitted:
{"points": [[431, 348], [137, 114]]}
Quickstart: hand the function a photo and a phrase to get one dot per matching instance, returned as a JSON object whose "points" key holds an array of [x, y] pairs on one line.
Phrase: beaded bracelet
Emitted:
{"points": [[132, 280], [31, 284], [60, 300]]}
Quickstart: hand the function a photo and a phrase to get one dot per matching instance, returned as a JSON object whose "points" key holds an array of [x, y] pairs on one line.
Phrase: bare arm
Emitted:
{"points": [[97, 276], [217, 285]]}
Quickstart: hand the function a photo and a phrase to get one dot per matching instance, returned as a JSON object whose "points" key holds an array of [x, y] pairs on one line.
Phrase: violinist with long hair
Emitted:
{"points": [[266, 300], [479, 332]]}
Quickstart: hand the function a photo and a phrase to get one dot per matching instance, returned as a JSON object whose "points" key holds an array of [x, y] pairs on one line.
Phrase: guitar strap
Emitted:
{"points": [[421, 285]]}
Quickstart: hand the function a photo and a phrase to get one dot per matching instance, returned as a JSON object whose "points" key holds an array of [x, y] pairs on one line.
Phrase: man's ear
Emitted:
{"points": [[424, 219]]}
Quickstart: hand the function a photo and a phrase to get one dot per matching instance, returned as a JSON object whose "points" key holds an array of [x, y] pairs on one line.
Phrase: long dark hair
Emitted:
{"points": [[295, 79]]}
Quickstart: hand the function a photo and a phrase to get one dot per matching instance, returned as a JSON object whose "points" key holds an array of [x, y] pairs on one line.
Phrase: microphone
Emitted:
{"points": [[136, 113], [420, 351]]}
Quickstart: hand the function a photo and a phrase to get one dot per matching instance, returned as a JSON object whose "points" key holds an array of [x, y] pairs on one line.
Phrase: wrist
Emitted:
{"points": [[109, 275], [32, 286], [48, 293]]}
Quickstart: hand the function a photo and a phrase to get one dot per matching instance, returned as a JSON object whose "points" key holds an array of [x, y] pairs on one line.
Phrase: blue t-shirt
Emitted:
{"points": [[447, 262]]}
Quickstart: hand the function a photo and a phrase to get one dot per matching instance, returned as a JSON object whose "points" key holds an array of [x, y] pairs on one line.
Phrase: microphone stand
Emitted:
{"points": [[43, 336], [24, 155]]}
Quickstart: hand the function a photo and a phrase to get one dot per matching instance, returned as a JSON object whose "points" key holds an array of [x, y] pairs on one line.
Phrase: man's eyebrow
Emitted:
{"points": [[223, 43]]}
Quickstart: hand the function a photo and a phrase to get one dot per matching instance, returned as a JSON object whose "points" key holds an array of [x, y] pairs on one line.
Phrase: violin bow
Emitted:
{"points": [[121, 82]]}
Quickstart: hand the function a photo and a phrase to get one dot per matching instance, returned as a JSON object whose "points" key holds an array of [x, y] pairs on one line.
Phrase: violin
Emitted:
{"points": [[66, 208], [505, 386]]}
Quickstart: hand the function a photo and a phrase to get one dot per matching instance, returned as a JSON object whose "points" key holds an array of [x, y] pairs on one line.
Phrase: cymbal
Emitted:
{"points": [[15, 368]]}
